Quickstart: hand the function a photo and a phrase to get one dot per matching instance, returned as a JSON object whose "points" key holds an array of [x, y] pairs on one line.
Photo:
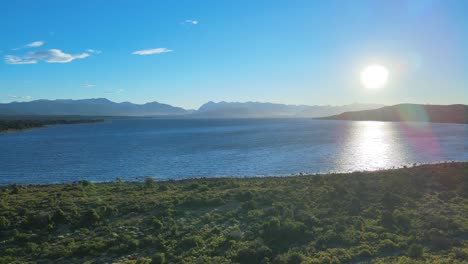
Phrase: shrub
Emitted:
{"points": [[150, 183], [91, 217], [191, 242], [4, 223], [253, 255], [284, 233], [388, 245], [158, 258], [295, 258], [85, 183], [156, 223], [440, 242], [59, 216], [415, 251], [143, 261]]}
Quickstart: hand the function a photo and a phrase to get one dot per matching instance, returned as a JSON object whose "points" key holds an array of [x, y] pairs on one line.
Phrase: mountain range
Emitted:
{"points": [[89, 107], [457, 113], [263, 110], [105, 107]]}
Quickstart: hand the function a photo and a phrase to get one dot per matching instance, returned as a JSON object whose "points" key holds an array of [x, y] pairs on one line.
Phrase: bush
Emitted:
{"points": [[191, 242], [415, 251], [91, 217], [440, 242], [295, 258], [158, 258], [387, 245], [150, 183], [4, 223], [143, 261], [284, 232], [156, 223], [253, 255]]}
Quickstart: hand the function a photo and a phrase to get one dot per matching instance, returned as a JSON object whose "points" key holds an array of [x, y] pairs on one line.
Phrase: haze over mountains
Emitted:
{"points": [[262, 110], [105, 107]]}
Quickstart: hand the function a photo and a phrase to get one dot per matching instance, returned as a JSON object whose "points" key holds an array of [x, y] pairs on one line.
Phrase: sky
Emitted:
{"points": [[186, 53]]}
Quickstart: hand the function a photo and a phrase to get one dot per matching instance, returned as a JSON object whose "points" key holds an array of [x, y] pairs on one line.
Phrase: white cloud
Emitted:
{"points": [[94, 51], [50, 56], [35, 44], [193, 22], [10, 59], [23, 97], [88, 85], [151, 51]]}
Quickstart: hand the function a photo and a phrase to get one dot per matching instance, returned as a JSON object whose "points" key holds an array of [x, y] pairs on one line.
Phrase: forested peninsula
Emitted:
{"points": [[14, 125]]}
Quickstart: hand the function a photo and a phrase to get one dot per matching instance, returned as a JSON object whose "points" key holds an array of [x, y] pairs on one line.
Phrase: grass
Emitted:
{"points": [[408, 215]]}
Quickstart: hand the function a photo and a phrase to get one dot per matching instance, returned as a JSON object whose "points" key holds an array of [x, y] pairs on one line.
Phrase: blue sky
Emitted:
{"points": [[186, 53]]}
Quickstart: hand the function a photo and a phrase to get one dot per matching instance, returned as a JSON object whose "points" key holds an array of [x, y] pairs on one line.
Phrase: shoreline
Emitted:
{"points": [[139, 180]]}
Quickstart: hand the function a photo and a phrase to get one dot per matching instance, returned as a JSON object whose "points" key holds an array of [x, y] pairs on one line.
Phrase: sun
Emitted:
{"points": [[374, 76]]}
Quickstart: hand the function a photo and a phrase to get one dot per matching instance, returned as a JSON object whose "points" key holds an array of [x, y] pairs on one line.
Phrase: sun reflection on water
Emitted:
{"points": [[370, 145]]}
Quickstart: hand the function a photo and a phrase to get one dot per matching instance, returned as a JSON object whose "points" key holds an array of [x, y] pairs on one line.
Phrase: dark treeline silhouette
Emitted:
{"points": [[7, 125]]}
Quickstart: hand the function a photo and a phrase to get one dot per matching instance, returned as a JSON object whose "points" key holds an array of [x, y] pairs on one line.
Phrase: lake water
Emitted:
{"points": [[185, 148]]}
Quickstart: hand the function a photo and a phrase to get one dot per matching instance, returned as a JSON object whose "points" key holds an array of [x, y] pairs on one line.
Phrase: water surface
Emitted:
{"points": [[184, 148]]}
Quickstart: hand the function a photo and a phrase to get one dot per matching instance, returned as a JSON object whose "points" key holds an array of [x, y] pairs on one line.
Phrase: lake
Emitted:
{"points": [[188, 148]]}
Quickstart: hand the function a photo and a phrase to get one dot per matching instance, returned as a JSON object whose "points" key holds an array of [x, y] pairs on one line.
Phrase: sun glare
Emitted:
{"points": [[374, 76]]}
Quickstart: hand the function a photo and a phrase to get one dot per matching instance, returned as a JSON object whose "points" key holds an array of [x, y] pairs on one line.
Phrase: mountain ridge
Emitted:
{"points": [[250, 109], [93, 107], [260, 109]]}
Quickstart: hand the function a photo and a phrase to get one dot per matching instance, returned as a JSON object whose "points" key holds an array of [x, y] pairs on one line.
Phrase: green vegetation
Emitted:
{"points": [[409, 215], [23, 124]]}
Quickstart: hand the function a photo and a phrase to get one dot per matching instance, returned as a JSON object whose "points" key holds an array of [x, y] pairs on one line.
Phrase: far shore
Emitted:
{"points": [[19, 125]]}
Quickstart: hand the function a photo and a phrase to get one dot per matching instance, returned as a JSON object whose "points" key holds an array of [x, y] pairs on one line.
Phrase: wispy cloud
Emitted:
{"points": [[35, 44], [151, 51], [190, 21], [22, 97], [94, 51], [116, 91], [88, 85], [49, 56]]}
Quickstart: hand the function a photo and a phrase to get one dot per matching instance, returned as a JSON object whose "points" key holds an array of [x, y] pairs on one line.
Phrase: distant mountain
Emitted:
{"points": [[105, 107], [263, 110], [87, 107], [410, 112], [247, 110]]}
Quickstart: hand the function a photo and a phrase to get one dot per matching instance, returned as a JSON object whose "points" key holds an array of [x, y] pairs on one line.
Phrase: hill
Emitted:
{"points": [[410, 112]]}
